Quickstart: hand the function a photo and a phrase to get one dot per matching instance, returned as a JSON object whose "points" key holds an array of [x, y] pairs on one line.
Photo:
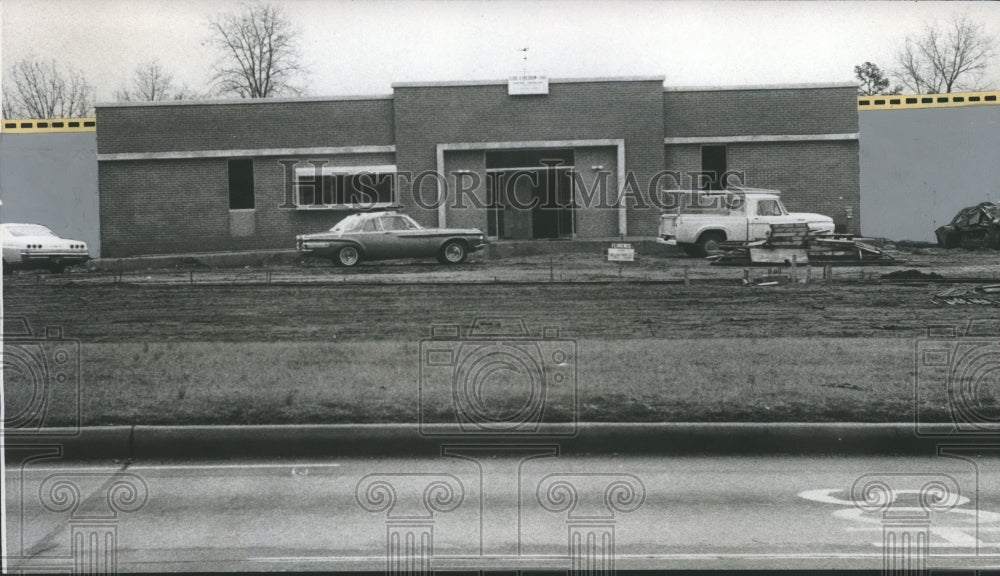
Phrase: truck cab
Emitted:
{"points": [[699, 221]]}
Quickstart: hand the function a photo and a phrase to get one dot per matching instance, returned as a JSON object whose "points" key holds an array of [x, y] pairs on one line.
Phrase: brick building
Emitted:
{"points": [[550, 163]]}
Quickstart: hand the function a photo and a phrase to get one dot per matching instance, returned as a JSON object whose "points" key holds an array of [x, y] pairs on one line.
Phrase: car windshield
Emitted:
{"points": [[29, 230], [769, 208]]}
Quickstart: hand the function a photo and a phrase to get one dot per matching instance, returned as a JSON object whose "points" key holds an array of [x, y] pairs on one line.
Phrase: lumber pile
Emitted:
{"points": [[793, 242]]}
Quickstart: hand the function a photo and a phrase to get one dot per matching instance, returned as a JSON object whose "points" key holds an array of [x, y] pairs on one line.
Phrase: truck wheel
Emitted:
{"points": [[709, 242], [690, 249], [348, 256], [453, 252]]}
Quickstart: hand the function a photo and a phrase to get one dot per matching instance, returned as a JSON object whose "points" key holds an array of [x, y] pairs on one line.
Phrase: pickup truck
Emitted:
{"points": [[700, 221]]}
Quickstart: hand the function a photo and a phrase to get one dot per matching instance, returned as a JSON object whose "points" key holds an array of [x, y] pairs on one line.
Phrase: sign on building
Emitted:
{"points": [[527, 84]]}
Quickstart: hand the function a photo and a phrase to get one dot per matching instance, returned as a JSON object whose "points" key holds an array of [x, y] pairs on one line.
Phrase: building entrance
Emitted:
{"points": [[530, 194]]}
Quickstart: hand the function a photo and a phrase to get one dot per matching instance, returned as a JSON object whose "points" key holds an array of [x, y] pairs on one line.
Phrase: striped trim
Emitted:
{"points": [[760, 138], [200, 154], [43, 125], [904, 101]]}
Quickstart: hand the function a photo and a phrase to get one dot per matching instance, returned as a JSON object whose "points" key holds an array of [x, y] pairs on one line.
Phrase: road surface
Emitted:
{"points": [[510, 507]]}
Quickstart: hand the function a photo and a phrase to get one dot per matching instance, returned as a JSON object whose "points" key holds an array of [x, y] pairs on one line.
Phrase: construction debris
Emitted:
{"points": [[973, 227], [988, 295], [795, 244]]}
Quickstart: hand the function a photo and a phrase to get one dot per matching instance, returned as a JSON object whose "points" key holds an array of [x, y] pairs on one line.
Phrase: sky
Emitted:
{"points": [[363, 47]]}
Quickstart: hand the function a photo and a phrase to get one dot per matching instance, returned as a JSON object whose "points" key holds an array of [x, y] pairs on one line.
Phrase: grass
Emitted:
{"points": [[744, 379]]}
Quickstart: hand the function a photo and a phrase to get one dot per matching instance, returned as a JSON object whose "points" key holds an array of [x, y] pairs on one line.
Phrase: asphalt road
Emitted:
{"points": [[510, 507]]}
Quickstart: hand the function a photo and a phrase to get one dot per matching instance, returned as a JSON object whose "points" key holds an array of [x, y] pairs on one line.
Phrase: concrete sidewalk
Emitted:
{"points": [[277, 441]]}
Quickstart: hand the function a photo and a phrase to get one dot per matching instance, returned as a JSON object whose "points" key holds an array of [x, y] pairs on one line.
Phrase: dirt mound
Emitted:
{"points": [[912, 274]]}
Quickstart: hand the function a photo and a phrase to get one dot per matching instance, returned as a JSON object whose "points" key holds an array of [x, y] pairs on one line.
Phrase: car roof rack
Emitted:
{"points": [[746, 189], [380, 210]]}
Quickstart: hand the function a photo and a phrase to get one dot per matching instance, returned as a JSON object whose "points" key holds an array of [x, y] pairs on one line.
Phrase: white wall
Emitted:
{"points": [[51, 179], [921, 166]]}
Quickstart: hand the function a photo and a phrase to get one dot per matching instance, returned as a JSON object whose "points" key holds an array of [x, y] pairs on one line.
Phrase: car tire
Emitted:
{"points": [[453, 252], [709, 242], [348, 256]]}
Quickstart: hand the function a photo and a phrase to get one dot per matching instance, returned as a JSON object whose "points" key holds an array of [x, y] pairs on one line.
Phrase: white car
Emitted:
{"points": [[35, 246]]}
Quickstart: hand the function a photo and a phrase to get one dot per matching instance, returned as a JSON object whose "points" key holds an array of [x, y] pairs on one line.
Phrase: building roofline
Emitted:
{"points": [[230, 101], [360, 97], [551, 81], [806, 86]]}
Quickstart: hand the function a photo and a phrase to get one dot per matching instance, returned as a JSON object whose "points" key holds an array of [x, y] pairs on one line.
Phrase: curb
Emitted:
{"points": [[277, 441]]}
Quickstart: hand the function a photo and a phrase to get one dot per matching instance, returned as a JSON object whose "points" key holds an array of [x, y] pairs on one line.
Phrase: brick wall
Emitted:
{"points": [[821, 177], [172, 206], [822, 110], [163, 206], [631, 110], [244, 125]]}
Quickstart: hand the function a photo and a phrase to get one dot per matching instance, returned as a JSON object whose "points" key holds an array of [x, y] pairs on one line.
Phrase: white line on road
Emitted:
{"points": [[135, 467], [679, 556]]}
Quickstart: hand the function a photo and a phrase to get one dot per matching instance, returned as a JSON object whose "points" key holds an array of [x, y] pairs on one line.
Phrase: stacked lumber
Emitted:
{"points": [[793, 242], [788, 235], [841, 250]]}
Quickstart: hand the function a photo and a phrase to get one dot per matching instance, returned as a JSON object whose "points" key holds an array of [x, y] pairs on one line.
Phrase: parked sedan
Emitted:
{"points": [[35, 246], [389, 235]]}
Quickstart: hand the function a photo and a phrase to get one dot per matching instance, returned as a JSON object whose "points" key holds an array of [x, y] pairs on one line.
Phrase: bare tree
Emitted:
{"points": [[260, 57], [873, 81], [945, 59], [33, 89], [152, 83]]}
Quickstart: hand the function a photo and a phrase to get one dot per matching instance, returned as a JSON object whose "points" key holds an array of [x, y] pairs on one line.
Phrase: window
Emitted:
{"points": [[395, 223], [713, 161], [768, 208], [29, 230], [373, 187], [241, 184]]}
